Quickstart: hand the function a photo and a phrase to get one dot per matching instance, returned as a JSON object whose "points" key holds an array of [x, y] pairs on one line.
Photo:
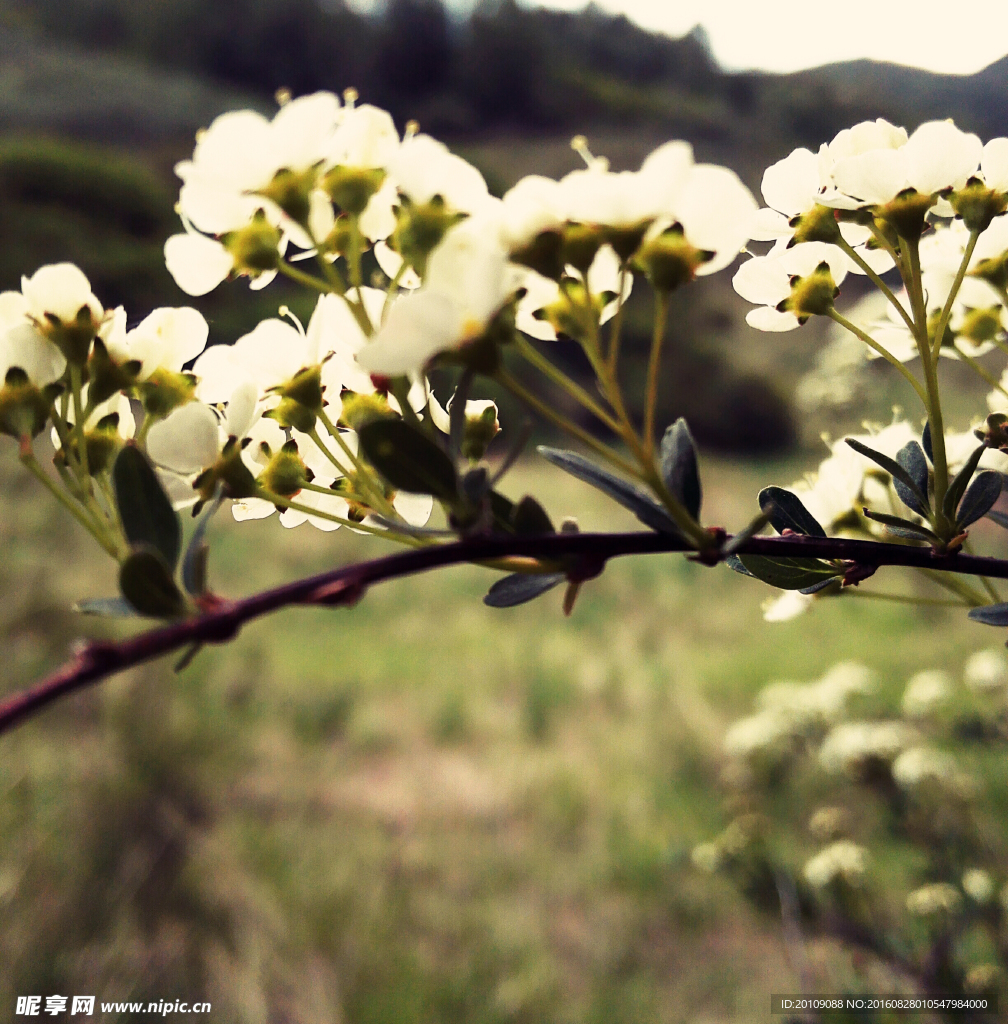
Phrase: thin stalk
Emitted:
{"points": [[954, 585], [78, 427], [615, 332], [308, 280], [96, 529], [840, 319], [392, 289], [568, 426], [541, 363], [946, 312], [985, 582], [979, 370], [876, 280], [375, 497], [654, 362]]}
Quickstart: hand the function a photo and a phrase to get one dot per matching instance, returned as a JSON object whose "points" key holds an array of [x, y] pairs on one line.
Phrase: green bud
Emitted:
{"points": [[340, 239], [255, 248], [811, 295], [580, 244], [102, 444], [994, 271], [625, 240], [291, 191], [359, 410], [419, 229], [480, 430], [106, 376], [230, 470], [816, 225], [351, 188], [24, 408], [285, 473], [980, 325], [301, 400], [995, 431], [543, 255], [165, 390], [905, 214], [669, 261], [482, 354], [568, 313], [978, 205], [73, 338]]}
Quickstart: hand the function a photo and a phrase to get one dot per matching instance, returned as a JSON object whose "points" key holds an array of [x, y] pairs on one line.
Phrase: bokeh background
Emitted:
{"points": [[420, 810]]}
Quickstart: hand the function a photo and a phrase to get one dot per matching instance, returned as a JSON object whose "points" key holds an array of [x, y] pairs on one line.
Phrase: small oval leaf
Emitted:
{"points": [[408, 459], [629, 495], [789, 573], [146, 582], [112, 607], [990, 615], [958, 486], [145, 510], [979, 498], [926, 442], [911, 458], [519, 588], [893, 468], [786, 512], [678, 467], [529, 518]]}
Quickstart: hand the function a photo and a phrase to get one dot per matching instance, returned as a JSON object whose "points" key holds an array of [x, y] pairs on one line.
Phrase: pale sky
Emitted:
{"points": [[785, 35]]}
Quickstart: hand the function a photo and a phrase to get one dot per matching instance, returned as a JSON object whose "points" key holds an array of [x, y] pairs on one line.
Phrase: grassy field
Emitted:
{"points": [[417, 809]]}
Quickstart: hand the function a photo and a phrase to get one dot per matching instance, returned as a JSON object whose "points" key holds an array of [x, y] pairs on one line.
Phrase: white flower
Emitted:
{"points": [[978, 885], [24, 347], [60, 291], [925, 692], [167, 339], [365, 138], [197, 263], [849, 745], [766, 280], [535, 204], [603, 276], [987, 671], [466, 285], [994, 165], [788, 605], [917, 764], [840, 860], [759, 732], [423, 168], [938, 898]]}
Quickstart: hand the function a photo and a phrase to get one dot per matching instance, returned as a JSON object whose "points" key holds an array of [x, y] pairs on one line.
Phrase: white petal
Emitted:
{"points": [[23, 346], [762, 280], [198, 264], [766, 318], [252, 508], [769, 225], [390, 261], [60, 289], [241, 410], [939, 155], [414, 508], [187, 440], [418, 327], [874, 177], [994, 164], [791, 184], [715, 209]]}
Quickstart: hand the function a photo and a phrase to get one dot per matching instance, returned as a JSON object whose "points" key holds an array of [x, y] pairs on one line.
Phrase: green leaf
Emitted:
{"points": [[735, 564], [901, 527], [926, 442], [408, 459], [911, 458], [112, 607], [979, 498], [786, 512], [958, 486], [990, 615], [821, 585], [893, 468], [146, 582], [629, 495], [145, 510], [520, 588], [529, 518], [789, 573], [678, 467]]}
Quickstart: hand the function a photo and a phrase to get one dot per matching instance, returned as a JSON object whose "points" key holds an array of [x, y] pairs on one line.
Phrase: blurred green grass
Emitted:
{"points": [[417, 809]]}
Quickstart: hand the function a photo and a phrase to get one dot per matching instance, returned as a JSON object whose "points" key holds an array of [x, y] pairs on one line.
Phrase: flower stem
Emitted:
{"points": [[296, 506], [946, 312], [654, 362], [375, 495], [877, 281], [616, 330], [308, 280], [840, 319], [979, 370]]}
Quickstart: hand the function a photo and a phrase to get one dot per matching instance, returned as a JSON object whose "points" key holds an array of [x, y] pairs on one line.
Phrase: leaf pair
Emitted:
{"points": [[785, 511]]}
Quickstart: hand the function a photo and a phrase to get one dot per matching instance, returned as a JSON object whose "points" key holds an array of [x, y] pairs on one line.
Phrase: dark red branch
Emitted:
{"points": [[575, 551]]}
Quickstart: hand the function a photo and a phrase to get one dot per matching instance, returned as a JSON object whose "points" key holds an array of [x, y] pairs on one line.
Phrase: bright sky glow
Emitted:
{"points": [[786, 35]]}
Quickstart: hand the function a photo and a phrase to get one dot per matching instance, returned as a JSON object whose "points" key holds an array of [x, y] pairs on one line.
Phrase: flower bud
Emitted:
{"points": [[420, 227], [481, 427], [291, 191], [580, 244], [301, 400], [978, 205], [25, 408], [994, 271], [230, 470], [980, 325], [905, 214], [351, 188], [544, 254], [811, 295], [359, 410], [254, 248], [165, 390], [102, 443], [285, 473], [994, 433], [816, 225], [106, 376], [669, 261]]}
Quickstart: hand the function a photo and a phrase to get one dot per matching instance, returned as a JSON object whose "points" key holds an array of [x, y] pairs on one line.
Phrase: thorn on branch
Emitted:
{"points": [[855, 572]]}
